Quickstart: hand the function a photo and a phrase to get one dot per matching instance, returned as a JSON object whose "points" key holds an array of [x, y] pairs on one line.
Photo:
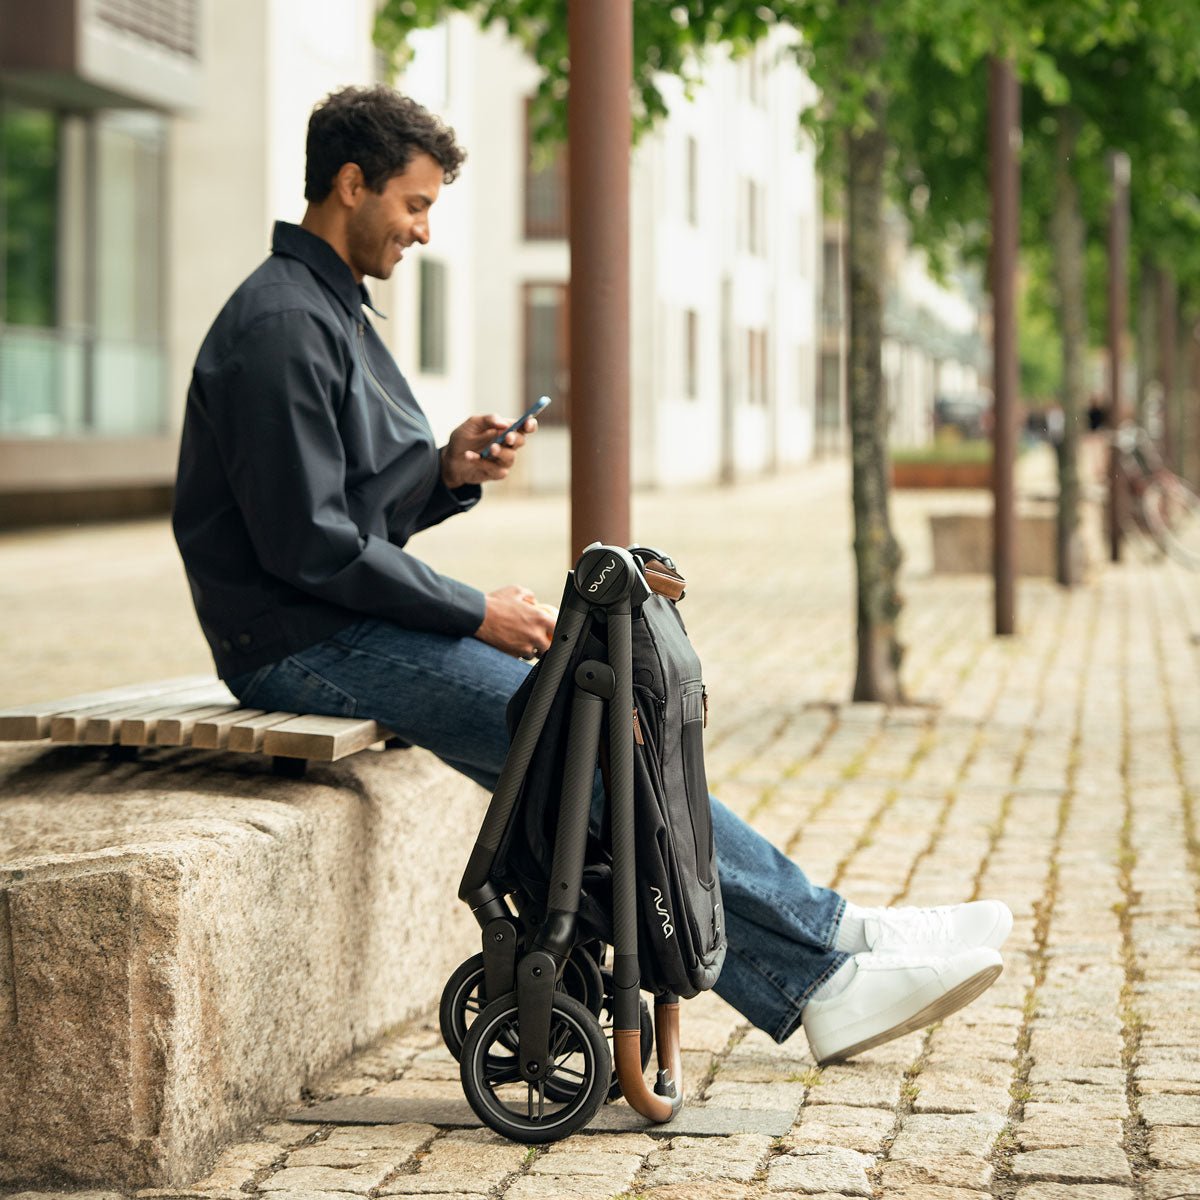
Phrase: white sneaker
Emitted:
{"points": [[949, 927], [894, 994]]}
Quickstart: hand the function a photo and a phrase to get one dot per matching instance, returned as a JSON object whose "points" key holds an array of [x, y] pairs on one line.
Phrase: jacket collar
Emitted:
{"points": [[324, 262]]}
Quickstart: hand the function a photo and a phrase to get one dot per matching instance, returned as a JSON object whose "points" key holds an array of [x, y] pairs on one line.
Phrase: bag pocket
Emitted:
{"points": [[696, 780]]}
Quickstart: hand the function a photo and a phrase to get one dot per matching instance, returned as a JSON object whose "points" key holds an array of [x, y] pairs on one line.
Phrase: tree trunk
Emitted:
{"points": [[1068, 239], [876, 551], [1147, 337]]}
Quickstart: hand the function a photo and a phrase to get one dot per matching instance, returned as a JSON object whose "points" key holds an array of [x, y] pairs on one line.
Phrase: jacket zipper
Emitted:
{"points": [[362, 358]]}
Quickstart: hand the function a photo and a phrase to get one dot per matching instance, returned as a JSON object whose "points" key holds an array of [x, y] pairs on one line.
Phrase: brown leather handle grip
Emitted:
{"points": [[627, 1049], [663, 580]]}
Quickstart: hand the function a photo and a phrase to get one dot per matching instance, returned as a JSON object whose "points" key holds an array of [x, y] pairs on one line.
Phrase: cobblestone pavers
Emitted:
{"points": [[1058, 770]]}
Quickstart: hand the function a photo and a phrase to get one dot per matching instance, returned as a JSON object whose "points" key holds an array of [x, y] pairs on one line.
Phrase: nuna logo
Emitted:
{"points": [[660, 908], [603, 575]]}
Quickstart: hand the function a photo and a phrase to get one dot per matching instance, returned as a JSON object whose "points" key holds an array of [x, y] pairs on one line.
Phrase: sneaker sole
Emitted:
{"points": [[957, 997]]}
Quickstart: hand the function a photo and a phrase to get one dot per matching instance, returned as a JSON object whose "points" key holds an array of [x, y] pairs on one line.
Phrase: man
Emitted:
{"points": [[306, 465]]}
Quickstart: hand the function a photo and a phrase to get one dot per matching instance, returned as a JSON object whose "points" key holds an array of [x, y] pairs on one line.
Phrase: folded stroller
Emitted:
{"points": [[587, 895]]}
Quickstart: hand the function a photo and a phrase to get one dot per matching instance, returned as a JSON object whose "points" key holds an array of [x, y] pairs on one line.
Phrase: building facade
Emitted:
{"points": [[148, 145]]}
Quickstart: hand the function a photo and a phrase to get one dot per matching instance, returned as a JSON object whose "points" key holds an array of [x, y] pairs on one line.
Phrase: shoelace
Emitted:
{"points": [[875, 960], [909, 926]]}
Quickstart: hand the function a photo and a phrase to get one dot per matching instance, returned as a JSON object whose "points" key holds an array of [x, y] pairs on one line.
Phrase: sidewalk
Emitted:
{"points": [[1057, 770]]}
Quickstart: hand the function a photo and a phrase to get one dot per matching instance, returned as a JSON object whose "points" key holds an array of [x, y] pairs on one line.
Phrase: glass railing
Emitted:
{"points": [[63, 384]]}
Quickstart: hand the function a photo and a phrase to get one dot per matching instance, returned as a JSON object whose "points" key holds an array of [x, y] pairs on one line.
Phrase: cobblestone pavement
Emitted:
{"points": [[1058, 770]]}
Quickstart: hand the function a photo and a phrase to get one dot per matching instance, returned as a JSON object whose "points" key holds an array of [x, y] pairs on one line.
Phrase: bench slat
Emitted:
{"points": [[141, 728], [212, 733], [105, 728], [324, 738], [179, 731], [248, 736], [31, 722], [102, 723]]}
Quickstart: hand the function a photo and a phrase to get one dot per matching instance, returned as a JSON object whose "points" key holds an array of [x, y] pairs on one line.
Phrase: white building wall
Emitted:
{"points": [[238, 163]]}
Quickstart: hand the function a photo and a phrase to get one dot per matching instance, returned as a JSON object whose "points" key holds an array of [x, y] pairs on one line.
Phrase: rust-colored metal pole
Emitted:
{"points": [[1118, 300], [600, 36], [1004, 132]]}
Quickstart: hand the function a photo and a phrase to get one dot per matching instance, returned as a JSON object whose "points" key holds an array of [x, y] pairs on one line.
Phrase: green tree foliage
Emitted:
{"points": [[857, 52]]}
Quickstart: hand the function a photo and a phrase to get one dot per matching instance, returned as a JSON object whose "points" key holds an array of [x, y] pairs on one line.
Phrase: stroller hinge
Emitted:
{"points": [[535, 999], [499, 958]]}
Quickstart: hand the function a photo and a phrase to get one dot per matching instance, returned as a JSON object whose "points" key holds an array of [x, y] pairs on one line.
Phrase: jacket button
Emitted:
{"points": [[226, 644], [244, 639]]}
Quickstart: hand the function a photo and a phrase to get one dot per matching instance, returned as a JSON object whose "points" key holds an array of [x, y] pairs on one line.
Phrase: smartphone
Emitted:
{"points": [[533, 411]]}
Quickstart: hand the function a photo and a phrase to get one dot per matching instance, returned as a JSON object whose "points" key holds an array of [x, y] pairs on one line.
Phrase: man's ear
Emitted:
{"points": [[349, 184]]}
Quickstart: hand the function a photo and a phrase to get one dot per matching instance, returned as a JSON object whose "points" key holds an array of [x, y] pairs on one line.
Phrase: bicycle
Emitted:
{"points": [[1162, 507]]}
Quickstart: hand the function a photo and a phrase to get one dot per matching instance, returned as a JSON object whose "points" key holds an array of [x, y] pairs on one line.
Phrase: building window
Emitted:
{"points": [[805, 383], [757, 369], [81, 298], [545, 188], [831, 284], [693, 181], [752, 233], [433, 317], [547, 350], [691, 352], [829, 414]]}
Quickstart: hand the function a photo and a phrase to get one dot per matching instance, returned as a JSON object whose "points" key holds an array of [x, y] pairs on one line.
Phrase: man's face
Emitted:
{"points": [[384, 225]]}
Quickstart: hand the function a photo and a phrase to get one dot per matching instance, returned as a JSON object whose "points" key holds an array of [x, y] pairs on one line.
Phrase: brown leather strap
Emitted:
{"points": [[663, 580]]}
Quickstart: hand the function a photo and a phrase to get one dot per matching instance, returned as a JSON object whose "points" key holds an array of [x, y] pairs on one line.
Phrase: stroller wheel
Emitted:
{"points": [[463, 996], [562, 1089], [582, 979], [462, 1001], [575, 1085]]}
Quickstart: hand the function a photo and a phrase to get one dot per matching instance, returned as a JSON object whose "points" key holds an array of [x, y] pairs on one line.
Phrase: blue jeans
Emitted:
{"points": [[449, 695]]}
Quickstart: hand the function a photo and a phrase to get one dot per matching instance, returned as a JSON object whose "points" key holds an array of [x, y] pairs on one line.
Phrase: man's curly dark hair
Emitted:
{"points": [[381, 131]]}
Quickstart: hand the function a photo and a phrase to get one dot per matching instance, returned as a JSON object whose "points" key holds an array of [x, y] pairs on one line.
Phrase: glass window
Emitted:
{"points": [[757, 367], [81, 295], [545, 189], [433, 317], [831, 284], [29, 169], [129, 377], [547, 353], [691, 354]]}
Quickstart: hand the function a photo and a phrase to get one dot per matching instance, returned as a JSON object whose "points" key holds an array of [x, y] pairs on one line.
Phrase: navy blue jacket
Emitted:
{"points": [[305, 466]]}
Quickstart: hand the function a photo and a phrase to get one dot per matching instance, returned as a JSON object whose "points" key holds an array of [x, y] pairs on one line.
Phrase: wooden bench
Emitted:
{"points": [[197, 711]]}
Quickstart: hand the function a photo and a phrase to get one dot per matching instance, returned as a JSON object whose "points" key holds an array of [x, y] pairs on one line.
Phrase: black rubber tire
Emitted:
{"points": [[580, 1069], [605, 1014], [462, 1001], [582, 979]]}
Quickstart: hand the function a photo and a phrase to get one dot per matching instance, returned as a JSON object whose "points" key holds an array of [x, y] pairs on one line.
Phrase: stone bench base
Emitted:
{"points": [[962, 545], [184, 940]]}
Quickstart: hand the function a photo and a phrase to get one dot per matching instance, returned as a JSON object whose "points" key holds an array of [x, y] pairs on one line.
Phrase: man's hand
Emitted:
{"points": [[461, 461], [515, 622]]}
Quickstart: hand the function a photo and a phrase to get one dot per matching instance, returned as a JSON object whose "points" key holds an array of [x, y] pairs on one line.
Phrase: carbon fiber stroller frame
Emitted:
{"points": [[535, 1062]]}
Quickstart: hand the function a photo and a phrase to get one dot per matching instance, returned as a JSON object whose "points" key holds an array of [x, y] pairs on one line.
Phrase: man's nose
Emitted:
{"points": [[421, 231]]}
